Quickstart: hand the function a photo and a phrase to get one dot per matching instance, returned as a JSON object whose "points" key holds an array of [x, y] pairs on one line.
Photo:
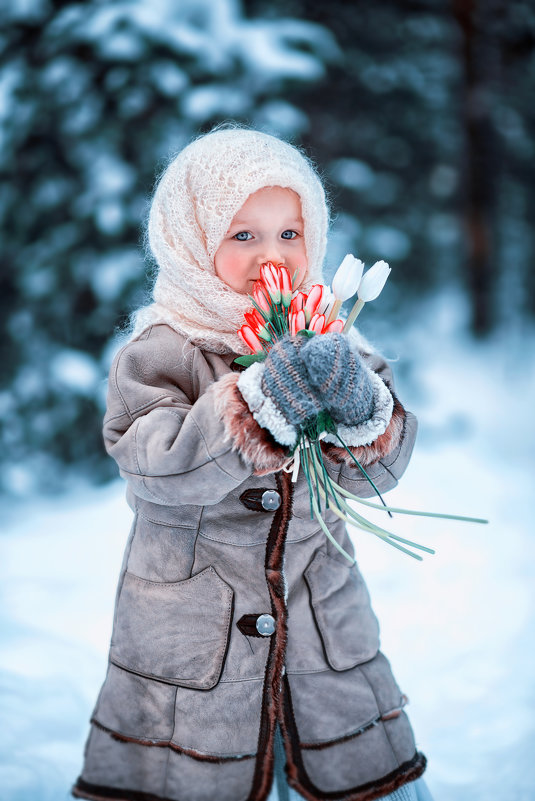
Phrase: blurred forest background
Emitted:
{"points": [[420, 115]]}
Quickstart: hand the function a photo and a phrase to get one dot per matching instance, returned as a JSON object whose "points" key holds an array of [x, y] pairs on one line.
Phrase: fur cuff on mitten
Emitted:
{"points": [[262, 407], [255, 443]]}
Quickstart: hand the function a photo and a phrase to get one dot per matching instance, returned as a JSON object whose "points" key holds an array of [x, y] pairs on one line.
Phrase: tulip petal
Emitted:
{"points": [[317, 323], [373, 281], [347, 277], [336, 327]]}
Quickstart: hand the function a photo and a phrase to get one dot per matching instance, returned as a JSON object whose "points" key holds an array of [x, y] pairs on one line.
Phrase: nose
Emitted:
{"points": [[272, 252]]}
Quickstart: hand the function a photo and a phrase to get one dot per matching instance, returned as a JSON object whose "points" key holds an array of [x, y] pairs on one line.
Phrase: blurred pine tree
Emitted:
{"points": [[95, 98]]}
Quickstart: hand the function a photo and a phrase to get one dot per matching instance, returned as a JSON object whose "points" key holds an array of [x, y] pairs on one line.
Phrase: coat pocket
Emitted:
{"points": [[341, 603], [175, 632]]}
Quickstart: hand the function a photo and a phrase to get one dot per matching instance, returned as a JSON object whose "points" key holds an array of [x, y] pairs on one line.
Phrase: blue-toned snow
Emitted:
{"points": [[458, 628]]}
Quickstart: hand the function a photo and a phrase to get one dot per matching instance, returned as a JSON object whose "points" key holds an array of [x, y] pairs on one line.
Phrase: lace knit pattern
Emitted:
{"points": [[193, 205]]}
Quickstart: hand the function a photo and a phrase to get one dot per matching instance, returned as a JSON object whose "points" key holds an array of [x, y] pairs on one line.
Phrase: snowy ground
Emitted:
{"points": [[458, 628]]}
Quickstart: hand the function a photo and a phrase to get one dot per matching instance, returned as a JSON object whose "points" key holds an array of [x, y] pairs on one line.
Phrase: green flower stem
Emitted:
{"points": [[407, 511], [315, 511], [363, 471], [378, 533], [368, 526], [326, 477], [312, 461], [333, 314], [277, 321], [389, 509], [361, 522], [304, 464], [328, 534], [353, 314]]}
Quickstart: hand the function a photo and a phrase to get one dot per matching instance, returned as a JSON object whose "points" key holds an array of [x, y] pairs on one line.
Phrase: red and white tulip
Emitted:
{"points": [[317, 323], [257, 323], [261, 298], [335, 327], [285, 286], [296, 321], [248, 336], [315, 299], [271, 276]]}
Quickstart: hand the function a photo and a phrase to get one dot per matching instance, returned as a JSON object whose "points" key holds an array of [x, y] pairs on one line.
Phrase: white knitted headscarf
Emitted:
{"points": [[194, 203]]}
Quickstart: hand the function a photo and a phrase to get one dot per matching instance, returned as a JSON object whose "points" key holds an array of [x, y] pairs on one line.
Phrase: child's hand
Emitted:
{"points": [[303, 377], [286, 382], [339, 377]]}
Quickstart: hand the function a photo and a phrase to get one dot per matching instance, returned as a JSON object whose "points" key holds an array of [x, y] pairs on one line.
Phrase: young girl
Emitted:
{"points": [[244, 646]]}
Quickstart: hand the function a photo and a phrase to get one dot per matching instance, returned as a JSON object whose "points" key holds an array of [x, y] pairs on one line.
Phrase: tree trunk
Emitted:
{"points": [[478, 22]]}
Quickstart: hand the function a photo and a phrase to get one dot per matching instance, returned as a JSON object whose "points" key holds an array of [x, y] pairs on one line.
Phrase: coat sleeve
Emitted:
{"points": [[169, 431]]}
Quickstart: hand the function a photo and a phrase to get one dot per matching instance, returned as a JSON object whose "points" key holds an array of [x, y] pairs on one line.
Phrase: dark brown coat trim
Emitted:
{"points": [[383, 446], [124, 738], [390, 715], [101, 792], [299, 780], [272, 691]]}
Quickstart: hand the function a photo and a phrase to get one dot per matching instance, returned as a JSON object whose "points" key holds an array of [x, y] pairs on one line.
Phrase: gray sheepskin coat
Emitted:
{"points": [[220, 536]]}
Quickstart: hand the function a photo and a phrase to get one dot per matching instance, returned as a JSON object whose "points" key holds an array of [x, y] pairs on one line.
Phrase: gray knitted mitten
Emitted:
{"points": [[340, 378], [287, 383]]}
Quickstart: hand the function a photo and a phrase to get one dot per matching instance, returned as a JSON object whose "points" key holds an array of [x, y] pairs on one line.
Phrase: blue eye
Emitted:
{"points": [[293, 234], [242, 236]]}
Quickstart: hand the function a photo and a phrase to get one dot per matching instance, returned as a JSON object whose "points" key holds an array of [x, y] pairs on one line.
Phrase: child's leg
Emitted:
{"points": [[413, 791], [281, 790], [422, 791]]}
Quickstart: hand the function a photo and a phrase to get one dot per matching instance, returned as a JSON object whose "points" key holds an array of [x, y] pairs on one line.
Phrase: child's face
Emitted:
{"points": [[268, 227]]}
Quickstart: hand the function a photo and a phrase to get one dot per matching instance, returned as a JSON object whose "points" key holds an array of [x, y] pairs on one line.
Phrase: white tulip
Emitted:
{"points": [[373, 281], [347, 277]]}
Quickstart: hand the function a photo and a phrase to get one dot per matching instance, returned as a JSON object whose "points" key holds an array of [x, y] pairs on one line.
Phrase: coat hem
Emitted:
{"points": [[102, 792]]}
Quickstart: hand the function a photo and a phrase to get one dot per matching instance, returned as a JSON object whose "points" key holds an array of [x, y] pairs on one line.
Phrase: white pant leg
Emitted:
{"points": [[413, 791], [280, 790]]}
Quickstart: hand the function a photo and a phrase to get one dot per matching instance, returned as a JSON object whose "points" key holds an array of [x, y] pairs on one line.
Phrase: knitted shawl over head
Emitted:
{"points": [[195, 201]]}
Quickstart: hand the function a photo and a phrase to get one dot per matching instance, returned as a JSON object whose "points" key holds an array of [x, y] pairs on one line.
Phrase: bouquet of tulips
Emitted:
{"points": [[278, 310]]}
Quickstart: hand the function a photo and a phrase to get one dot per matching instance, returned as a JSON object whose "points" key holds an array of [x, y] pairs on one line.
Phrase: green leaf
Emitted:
{"points": [[304, 332], [250, 358]]}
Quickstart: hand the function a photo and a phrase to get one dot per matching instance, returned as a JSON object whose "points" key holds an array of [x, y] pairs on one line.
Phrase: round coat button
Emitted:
{"points": [[271, 500], [265, 625]]}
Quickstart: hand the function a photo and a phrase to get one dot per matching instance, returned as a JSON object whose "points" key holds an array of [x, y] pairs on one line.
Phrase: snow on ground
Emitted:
{"points": [[458, 628]]}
